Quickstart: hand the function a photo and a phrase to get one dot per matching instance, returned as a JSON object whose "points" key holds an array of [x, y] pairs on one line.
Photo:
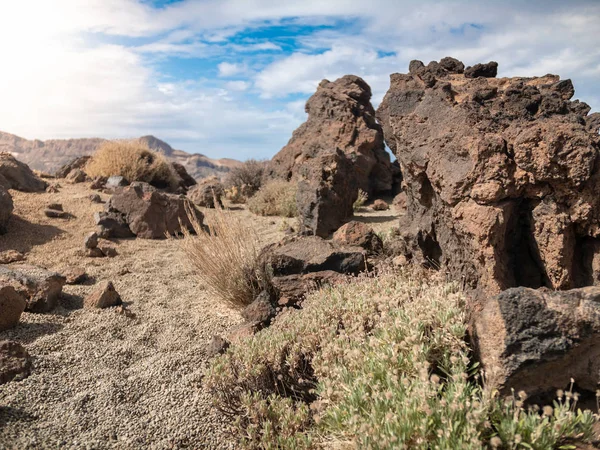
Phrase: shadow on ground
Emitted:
{"points": [[30, 331], [22, 235]]}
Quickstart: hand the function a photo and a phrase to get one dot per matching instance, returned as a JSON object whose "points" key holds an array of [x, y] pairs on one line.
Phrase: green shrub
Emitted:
{"points": [[276, 198], [377, 363], [360, 201]]}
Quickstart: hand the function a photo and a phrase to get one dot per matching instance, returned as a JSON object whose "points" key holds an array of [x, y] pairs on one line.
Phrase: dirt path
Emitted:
{"points": [[100, 379]]}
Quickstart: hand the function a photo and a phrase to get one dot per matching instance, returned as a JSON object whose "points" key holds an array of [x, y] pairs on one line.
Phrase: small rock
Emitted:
{"points": [[399, 261], [217, 346], [75, 275], [98, 183], [15, 362], [10, 256], [103, 296], [12, 305], [56, 214], [94, 253], [95, 198], [76, 176], [124, 271], [53, 188], [124, 311], [115, 182], [56, 206], [260, 310], [109, 251], [380, 205], [91, 240], [41, 288], [356, 233]]}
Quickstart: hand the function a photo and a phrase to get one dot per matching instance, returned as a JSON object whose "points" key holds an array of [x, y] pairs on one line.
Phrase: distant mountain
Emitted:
{"points": [[48, 156]]}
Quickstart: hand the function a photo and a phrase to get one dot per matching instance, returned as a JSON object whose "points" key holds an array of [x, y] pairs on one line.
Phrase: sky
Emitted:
{"points": [[229, 78]]}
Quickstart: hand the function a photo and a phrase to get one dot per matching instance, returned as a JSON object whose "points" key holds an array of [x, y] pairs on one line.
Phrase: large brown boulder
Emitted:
{"points": [[501, 176], [206, 192], [15, 362], [537, 340], [146, 212], [327, 189], [6, 208], [340, 116], [17, 175], [77, 163], [40, 287], [358, 234]]}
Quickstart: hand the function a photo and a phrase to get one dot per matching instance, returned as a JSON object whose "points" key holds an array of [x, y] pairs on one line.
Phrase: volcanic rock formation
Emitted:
{"points": [[501, 175], [340, 116]]}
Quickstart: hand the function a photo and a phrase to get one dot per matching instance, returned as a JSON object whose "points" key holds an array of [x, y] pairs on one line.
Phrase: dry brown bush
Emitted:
{"points": [[226, 256], [246, 179], [276, 198], [133, 161]]}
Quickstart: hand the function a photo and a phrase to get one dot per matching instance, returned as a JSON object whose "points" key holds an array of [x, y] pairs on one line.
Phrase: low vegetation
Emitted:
{"points": [[244, 181], [276, 198], [225, 252], [133, 161], [378, 363], [360, 201]]}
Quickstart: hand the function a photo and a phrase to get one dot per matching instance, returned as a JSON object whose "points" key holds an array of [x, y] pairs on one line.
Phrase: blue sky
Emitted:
{"points": [[229, 78]]}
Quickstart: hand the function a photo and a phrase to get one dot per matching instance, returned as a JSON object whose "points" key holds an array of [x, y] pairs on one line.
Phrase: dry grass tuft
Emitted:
{"points": [[133, 161], [276, 198], [225, 253], [360, 201], [244, 181]]}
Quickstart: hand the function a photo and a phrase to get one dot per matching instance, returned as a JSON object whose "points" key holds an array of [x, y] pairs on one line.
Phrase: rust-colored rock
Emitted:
{"points": [[103, 296], [41, 288], [75, 275], [380, 205], [360, 235], [206, 192], [501, 176], [12, 305], [340, 116], [15, 362]]}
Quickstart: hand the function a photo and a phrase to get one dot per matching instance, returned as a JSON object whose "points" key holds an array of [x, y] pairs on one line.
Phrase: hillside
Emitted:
{"points": [[48, 156]]}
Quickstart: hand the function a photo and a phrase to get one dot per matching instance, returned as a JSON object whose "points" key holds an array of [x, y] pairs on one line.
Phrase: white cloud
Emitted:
{"points": [[238, 85], [229, 69]]}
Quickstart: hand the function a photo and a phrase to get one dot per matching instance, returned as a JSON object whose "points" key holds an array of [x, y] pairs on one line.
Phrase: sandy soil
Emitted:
{"points": [[100, 379]]}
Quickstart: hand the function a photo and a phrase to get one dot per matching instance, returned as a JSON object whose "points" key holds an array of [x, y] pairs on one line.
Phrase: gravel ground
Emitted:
{"points": [[100, 379]]}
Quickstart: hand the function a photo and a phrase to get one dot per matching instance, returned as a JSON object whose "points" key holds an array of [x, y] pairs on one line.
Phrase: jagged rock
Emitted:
{"points": [[108, 250], [11, 256], [6, 209], [357, 234], [17, 175], [260, 310], [537, 340], [41, 288], [104, 296], [340, 116], [380, 205], [12, 305], [205, 192], [489, 70], [95, 198], [327, 189], [186, 180], [76, 176], [593, 122], [91, 240], [98, 183], [501, 178], [291, 289], [77, 163], [453, 65], [400, 201], [115, 181], [56, 214], [53, 188], [15, 362], [95, 253], [146, 213]]}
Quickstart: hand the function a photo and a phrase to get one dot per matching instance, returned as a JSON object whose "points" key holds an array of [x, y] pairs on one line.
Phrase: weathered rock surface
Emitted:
{"points": [[340, 116], [380, 205], [501, 177], [358, 234], [17, 175], [260, 311], [327, 189], [12, 305], [185, 179], [145, 212], [11, 256], [206, 191], [76, 163], [103, 296], [15, 362], [115, 181], [40, 287], [91, 240], [537, 340], [6, 209], [77, 176], [75, 275]]}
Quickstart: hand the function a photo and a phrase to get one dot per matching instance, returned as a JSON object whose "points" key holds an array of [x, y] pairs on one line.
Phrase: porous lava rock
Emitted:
{"points": [[12, 305], [15, 362], [141, 210], [500, 174], [40, 287], [17, 175], [536, 340], [206, 192], [358, 234], [340, 116]]}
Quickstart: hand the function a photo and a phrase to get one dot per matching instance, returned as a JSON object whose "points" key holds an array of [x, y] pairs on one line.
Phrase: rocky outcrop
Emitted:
{"points": [[40, 287], [15, 362], [77, 163], [501, 176], [327, 189], [537, 340], [340, 116], [6, 209], [142, 211], [17, 175], [206, 192]]}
